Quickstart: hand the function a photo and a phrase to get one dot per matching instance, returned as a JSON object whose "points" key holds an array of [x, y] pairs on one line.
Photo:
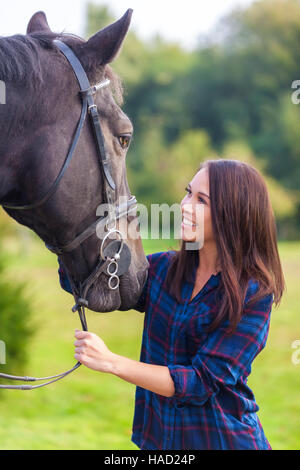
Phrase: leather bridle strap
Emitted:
{"points": [[87, 91], [87, 104]]}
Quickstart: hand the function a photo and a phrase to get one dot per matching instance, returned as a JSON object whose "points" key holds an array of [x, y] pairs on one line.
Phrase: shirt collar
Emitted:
{"points": [[187, 288]]}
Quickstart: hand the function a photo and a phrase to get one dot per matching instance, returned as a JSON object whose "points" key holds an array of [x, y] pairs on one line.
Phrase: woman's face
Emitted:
{"points": [[195, 207]]}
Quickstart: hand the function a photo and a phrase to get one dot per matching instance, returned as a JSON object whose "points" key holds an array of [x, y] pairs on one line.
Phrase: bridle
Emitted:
{"points": [[115, 257]]}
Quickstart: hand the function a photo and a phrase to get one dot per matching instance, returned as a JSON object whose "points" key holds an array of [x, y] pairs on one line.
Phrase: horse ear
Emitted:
{"points": [[104, 46], [37, 23]]}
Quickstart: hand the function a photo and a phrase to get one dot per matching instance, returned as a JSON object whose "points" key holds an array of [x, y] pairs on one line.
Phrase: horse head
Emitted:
{"points": [[38, 122]]}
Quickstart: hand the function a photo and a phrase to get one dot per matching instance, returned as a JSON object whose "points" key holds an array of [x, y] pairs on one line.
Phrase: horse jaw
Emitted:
{"points": [[101, 299]]}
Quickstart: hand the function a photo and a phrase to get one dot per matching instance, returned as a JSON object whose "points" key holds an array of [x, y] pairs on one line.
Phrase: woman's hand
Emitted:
{"points": [[92, 352]]}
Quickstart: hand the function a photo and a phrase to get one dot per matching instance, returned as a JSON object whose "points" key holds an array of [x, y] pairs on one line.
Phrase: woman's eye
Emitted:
{"points": [[200, 199], [124, 141]]}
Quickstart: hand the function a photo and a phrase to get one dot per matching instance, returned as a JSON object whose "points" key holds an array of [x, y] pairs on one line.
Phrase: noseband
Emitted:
{"points": [[115, 257]]}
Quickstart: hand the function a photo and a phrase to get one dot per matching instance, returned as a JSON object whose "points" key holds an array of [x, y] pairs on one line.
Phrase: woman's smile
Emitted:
{"points": [[188, 222]]}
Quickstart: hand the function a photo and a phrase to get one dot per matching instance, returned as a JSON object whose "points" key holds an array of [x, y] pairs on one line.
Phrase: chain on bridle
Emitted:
{"points": [[115, 256]]}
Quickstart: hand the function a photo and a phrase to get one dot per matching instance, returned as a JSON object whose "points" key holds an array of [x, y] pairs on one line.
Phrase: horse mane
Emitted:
{"points": [[19, 56], [20, 62]]}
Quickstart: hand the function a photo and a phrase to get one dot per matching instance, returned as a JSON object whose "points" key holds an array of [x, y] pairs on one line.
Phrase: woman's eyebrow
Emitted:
{"points": [[199, 192]]}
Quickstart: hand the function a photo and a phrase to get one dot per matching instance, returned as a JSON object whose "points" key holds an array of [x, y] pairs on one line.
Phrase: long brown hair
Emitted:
{"points": [[245, 233]]}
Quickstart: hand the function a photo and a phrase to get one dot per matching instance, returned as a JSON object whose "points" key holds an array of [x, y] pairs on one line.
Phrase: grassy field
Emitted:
{"points": [[90, 410]]}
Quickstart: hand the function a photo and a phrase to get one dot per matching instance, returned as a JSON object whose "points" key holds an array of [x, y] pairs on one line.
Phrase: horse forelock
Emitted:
{"points": [[20, 57]]}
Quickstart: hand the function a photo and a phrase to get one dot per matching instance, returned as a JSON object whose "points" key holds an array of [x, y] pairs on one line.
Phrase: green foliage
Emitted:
{"points": [[240, 89], [283, 200], [235, 87], [97, 18], [181, 161]]}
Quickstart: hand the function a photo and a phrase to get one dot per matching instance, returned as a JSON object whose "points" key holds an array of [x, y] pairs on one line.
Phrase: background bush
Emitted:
{"points": [[16, 326]]}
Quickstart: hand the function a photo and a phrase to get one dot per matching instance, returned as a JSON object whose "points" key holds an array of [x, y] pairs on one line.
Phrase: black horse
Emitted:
{"points": [[38, 123]]}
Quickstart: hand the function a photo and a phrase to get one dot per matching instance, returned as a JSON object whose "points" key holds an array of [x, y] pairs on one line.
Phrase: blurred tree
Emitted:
{"points": [[163, 170], [182, 160], [240, 86], [97, 17], [16, 326], [283, 201], [236, 87]]}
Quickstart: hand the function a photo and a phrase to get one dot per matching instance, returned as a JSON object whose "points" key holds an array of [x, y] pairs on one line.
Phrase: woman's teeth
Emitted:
{"points": [[188, 222]]}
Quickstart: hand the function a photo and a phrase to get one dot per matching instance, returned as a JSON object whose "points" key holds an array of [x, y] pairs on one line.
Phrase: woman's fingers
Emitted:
{"points": [[82, 334], [80, 342], [83, 338], [91, 351]]}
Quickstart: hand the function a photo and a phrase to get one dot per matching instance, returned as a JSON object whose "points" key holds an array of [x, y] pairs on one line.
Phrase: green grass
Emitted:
{"points": [[90, 410]]}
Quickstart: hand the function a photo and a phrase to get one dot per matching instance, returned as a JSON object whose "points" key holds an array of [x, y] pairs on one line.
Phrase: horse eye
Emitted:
{"points": [[124, 141]]}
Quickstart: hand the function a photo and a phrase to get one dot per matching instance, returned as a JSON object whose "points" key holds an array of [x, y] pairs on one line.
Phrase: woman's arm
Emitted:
{"points": [[91, 351]]}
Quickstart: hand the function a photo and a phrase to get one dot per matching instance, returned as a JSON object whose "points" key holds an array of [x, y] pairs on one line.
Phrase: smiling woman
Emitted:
{"points": [[239, 233], [207, 316]]}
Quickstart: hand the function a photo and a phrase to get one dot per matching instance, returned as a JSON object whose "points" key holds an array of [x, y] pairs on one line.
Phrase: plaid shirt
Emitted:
{"points": [[213, 408]]}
